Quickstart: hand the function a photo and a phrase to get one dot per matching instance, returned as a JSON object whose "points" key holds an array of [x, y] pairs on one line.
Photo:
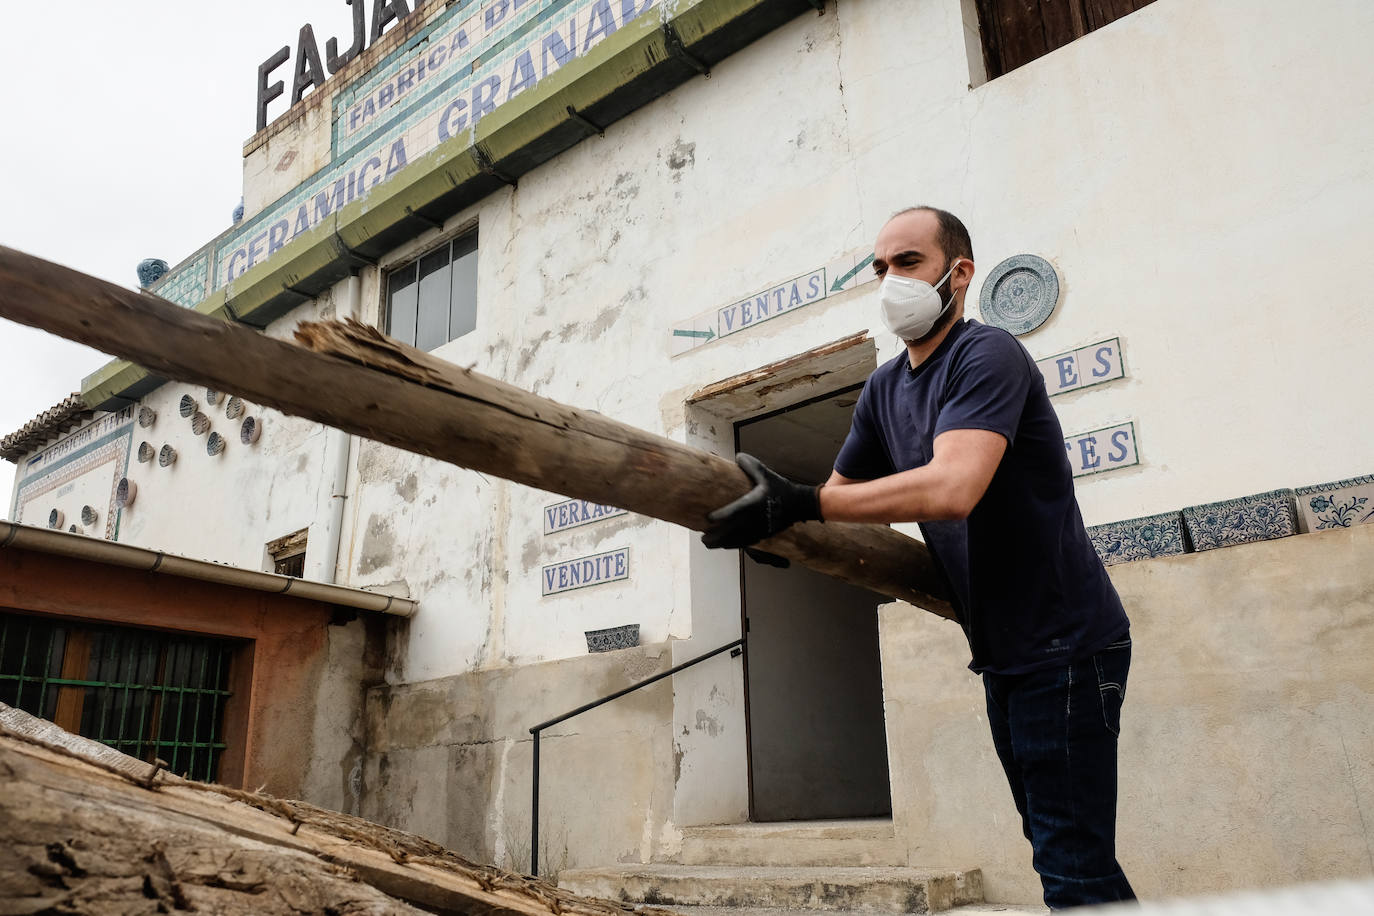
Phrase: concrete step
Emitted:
{"points": [[972, 909], [873, 889], [837, 842]]}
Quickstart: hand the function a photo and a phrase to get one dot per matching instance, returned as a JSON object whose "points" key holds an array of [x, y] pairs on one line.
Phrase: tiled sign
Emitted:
{"points": [[458, 69], [1082, 368], [107, 441], [1102, 450], [572, 513], [843, 273], [611, 566], [188, 284]]}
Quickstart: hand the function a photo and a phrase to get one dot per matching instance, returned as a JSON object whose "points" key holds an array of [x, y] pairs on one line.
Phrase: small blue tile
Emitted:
{"points": [[612, 638], [1139, 538], [1261, 517], [1338, 504]]}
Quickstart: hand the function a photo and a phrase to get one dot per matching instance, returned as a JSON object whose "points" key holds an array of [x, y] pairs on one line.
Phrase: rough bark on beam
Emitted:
{"points": [[84, 838], [369, 385]]}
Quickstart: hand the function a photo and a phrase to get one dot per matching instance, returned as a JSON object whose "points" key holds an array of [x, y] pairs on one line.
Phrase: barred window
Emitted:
{"points": [[433, 299], [149, 694]]}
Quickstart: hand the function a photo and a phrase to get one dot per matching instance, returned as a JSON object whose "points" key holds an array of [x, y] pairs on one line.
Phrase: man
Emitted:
{"points": [[957, 433]]}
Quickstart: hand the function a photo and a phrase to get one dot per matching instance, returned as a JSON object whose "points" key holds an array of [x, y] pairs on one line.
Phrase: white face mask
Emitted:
{"points": [[910, 308]]}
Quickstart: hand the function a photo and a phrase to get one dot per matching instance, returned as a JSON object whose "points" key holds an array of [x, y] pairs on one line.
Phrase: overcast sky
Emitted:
{"points": [[124, 131]]}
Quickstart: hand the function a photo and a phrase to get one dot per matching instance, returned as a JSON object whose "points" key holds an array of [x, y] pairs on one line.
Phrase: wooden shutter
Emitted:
{"points": [[1016, 32]]}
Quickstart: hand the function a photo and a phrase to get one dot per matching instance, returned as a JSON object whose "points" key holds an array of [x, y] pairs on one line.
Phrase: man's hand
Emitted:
{"points": [[774, 504]]}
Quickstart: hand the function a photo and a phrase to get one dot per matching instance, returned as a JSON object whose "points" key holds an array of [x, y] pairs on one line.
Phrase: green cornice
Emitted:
{"points": [[628, 69]]}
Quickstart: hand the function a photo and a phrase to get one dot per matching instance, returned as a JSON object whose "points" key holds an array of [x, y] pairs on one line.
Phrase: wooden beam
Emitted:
{"points": [[91, 838], [353, 378]]}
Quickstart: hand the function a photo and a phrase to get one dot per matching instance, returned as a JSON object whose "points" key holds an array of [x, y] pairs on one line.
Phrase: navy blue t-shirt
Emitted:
{"points": [[1029, 589]]}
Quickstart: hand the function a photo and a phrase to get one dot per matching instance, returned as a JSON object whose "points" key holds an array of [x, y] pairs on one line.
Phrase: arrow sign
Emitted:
{"points": [[704, 335], [841, 280]]}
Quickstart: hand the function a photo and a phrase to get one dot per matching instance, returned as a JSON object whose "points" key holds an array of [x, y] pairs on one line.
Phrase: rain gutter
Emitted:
{"points": [[84, 547]]}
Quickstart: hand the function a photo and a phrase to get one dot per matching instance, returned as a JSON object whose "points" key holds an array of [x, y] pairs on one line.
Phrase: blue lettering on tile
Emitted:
{"points": [[1082, 368], [1107, 361], [1102, 450], [566, 575], [464, 65], [1068, 371], [573, 513], [771, 303], [1087, 452]]}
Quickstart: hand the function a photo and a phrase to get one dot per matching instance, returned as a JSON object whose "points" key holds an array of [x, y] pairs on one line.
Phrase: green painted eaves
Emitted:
{"points": [[628, 69]]}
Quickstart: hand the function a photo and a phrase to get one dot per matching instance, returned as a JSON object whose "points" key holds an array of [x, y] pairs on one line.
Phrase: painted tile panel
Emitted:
{"points": [[573, 513], [1139, 538], [1338, 504], [1083, 367], [1261, 517], [567, 575], [1102, 450], [612, 638]]}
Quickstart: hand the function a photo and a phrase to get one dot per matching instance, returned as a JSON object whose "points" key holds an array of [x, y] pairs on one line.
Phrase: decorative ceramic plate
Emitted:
{"points": [[1019, 294]]}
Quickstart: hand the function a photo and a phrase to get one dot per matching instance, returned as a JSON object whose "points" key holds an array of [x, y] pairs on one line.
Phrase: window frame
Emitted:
{"points": [[462, 245], [99, 680]]}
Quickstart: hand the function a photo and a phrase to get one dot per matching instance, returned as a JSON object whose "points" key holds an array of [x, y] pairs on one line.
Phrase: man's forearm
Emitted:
{"points": [[918, 495]]}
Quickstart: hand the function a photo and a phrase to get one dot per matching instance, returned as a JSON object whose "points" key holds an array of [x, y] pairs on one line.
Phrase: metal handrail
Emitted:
{"points": [[534, 808]]}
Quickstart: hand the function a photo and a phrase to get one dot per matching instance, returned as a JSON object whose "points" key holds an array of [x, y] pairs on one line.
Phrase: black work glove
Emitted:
{"points": [[764, 558], [773, 505]]}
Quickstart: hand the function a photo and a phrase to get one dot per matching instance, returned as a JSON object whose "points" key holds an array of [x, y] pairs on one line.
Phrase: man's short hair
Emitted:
{"points": [[951, 236]]}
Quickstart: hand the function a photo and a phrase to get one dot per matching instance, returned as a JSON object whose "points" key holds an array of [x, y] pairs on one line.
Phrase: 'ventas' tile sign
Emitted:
{"points": [[566, 575], [844, 273]]}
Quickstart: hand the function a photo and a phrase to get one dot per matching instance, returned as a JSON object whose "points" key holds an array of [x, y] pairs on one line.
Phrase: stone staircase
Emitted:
{"points": [[854, 866]]}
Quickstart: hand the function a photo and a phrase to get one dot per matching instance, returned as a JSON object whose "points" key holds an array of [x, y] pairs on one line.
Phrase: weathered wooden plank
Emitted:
{"points": [[357, 380], [1061, 22], [83, 837], [1020, 26], [1104, 12]]}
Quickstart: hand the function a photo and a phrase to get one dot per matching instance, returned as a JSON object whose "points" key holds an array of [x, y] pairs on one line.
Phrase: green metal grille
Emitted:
{"points": [[149, 694]]}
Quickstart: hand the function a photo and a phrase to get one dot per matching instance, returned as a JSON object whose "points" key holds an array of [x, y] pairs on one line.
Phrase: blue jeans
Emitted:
{"points": [[1055, 732]]}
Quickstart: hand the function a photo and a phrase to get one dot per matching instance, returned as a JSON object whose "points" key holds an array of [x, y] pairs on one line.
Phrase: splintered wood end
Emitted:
{"points": [[360, 343]]}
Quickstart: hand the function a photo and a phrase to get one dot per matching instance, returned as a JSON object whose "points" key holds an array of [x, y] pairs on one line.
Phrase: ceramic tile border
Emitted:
{"points": [[1338, 504], [1259, 517], [1139, 538], [612, 638]]}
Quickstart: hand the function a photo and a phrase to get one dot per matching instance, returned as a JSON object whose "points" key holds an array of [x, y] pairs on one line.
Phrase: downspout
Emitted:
{"points": [[340, 447]]}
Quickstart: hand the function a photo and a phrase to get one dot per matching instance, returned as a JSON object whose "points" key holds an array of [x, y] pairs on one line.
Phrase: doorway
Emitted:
{"points": [[813, 701]]}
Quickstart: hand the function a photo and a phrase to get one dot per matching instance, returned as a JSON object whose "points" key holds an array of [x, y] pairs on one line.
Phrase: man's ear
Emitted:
{"points": [[962, 277]]}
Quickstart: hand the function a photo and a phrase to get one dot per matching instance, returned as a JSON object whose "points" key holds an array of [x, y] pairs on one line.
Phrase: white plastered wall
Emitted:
{"points": [[1187, 170], [1197, 172]]}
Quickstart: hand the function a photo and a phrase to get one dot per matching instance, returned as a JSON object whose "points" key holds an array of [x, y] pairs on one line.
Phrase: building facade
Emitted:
{"points": [[634, 207]]}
